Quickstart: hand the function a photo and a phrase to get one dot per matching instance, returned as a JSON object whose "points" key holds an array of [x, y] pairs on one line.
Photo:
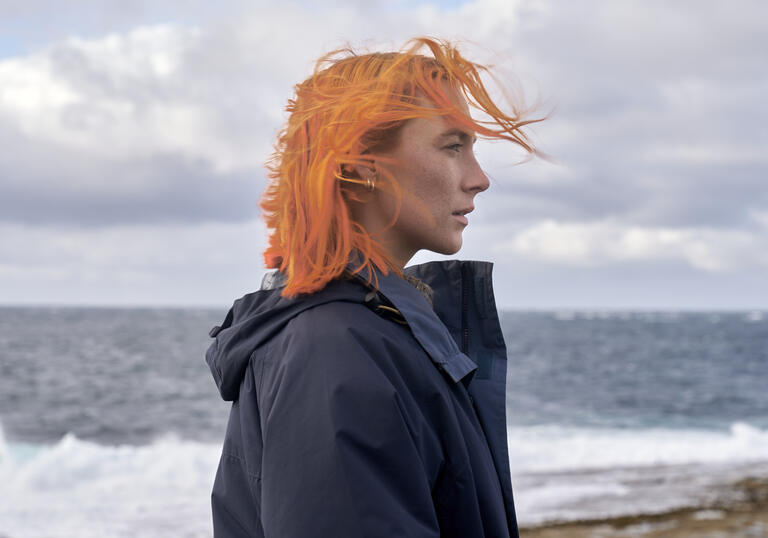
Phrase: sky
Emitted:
{"points": [[133, 136]]}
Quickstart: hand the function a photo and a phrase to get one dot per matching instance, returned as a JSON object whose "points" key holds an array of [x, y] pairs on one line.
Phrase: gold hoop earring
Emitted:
{"points": [[370, 183]]}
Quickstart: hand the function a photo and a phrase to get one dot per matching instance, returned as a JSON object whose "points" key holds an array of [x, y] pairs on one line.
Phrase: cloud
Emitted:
{"points": [[105, 131], [174, 264], [607, 242], [656, 107], [103, 192], [121, 95]]}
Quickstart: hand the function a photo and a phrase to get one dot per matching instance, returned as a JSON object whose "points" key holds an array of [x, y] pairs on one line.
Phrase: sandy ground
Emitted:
{"points": [[744, 515]]}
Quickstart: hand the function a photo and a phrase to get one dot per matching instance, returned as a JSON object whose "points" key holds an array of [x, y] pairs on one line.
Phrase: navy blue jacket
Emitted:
{"points": [[352, 420]]}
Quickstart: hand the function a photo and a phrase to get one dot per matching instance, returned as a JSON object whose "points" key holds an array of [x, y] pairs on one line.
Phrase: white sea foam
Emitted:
{"points": [[79, 488], [3, 448], [571, 473], [555, 448]]}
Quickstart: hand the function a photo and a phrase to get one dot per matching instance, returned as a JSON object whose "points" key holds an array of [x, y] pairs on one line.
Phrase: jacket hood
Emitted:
{"points": [[258, 316], [255, 318]]}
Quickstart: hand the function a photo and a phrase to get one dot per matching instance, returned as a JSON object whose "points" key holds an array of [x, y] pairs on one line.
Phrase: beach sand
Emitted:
{"points": [[741, 512]]}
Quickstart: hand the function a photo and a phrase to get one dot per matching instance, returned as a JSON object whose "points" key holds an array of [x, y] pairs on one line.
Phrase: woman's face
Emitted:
{"points": [[436, 169]]}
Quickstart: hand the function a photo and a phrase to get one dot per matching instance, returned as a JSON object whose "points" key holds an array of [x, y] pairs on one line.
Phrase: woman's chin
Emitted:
{"points": [[448, 248]]}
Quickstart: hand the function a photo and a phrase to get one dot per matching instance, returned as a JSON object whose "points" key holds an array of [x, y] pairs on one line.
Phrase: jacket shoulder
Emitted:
{"points": [[337, 332]]}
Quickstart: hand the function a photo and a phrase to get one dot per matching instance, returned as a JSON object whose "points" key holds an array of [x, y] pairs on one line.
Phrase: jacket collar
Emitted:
{"points": [[424, 323]]}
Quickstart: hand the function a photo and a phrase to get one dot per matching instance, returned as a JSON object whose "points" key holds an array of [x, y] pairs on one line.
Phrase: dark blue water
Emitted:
{"points": [[678, 370], [109, 375], [131, 375]]}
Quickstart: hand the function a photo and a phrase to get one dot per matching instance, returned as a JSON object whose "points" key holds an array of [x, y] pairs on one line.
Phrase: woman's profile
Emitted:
{"points": [[369, 398]]}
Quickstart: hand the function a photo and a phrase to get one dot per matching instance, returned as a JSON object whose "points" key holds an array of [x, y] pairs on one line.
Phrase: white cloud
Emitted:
{"points": [[704, 152], [27, 86], [208, 263], [123, 95], [605, 242]]}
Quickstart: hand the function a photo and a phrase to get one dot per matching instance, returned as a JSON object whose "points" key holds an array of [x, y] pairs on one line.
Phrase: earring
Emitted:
{"points": [[370, 183]]}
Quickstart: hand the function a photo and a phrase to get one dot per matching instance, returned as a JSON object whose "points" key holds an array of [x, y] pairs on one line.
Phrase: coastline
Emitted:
{"points": [[741, 510]]}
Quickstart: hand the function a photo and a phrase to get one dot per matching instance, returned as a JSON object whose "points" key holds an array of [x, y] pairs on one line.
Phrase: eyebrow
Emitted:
{"points": [[463, 135]]}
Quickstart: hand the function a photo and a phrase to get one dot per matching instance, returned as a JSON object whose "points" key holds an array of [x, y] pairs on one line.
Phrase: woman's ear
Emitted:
{"points": [[360, 181], [364, 172]]}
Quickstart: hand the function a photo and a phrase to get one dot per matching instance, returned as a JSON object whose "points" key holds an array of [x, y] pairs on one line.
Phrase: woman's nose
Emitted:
{"points": [[476, 180]]}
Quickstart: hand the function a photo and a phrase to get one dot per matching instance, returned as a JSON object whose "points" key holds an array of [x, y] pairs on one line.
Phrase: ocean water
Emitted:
{"points": [[111, 426]]}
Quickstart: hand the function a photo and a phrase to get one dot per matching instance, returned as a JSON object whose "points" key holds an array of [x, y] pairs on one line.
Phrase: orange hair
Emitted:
{"points": [[347, 110]]}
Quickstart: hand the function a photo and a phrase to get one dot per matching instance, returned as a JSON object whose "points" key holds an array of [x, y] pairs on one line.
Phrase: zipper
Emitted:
{"points": [[465, 278], [464, 309]]}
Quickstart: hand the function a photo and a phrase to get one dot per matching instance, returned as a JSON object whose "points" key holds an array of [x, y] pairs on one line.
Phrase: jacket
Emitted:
{"points": [[353, 420]]}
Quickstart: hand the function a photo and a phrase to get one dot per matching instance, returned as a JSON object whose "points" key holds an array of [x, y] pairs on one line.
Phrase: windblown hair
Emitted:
{"points": [[349, 109]]}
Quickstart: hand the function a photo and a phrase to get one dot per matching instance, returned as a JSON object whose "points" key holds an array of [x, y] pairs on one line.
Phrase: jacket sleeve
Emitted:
{"points": [[339, 458]]}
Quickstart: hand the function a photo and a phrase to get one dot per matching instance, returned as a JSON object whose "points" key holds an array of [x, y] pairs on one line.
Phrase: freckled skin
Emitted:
{"points": [[435, 166]]}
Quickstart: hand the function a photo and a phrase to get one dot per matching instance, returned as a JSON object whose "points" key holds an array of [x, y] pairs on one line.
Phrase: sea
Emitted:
{"points": [[111, 425]]}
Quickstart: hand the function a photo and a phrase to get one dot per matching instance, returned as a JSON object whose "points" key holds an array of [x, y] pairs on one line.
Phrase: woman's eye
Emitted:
{"points": [[455, 147]]}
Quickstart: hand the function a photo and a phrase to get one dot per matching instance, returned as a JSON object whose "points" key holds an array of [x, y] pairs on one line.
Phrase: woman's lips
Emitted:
{"points": [[461, 214], [461, 218]]}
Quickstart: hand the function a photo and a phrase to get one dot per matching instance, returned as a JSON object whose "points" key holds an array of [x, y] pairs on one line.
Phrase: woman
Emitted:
{"points": [[369, 399]]}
